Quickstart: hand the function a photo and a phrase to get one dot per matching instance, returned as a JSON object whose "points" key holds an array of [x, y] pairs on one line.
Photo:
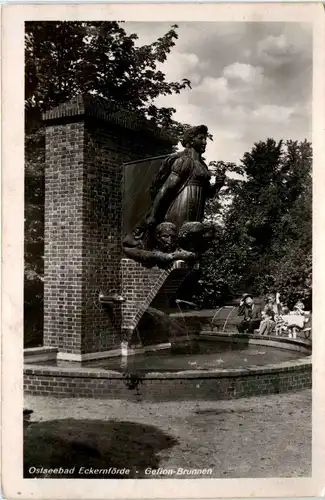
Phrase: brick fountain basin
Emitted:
{"points": [[225, 366]]}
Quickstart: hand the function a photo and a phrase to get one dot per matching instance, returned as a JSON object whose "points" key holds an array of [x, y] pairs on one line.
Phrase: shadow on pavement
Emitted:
{"points": [[72, 444]]}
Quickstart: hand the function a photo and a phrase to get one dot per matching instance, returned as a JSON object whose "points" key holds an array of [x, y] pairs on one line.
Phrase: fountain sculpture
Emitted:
{"points": [[173, 229], [113, 260]]}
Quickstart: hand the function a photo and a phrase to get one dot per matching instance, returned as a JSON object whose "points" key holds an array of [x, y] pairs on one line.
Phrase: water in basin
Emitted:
{"points": [[211, 355], [189, 354]]}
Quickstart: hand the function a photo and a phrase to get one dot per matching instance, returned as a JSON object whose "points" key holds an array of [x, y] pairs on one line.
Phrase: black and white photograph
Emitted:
{"points": [[168, 249]]}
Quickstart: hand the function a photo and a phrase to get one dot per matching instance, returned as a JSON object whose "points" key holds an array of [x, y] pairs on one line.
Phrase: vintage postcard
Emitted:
{"points": [[162, 257]]}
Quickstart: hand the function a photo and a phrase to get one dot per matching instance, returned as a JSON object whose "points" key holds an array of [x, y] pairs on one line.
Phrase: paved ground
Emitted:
{"points": [[255, 437]]}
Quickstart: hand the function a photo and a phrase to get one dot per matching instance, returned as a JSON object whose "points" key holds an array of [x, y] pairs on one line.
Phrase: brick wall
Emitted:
{"points": [[85, 150], [271, 380], [168, 292], [139, 286], [63, 268], [144, 287]]}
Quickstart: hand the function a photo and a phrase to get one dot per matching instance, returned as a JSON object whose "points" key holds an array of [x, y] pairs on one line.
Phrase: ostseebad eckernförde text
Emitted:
{"points": [[111, 471], [82, 471]]}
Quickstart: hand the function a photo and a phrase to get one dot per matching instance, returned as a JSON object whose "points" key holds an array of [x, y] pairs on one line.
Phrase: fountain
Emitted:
{"points": [[111, 281]]}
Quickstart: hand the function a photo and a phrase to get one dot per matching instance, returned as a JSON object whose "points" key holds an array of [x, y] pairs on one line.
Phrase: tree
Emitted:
{"points": [[266, 240], [64, 59], [216, 207], [34, 237]]}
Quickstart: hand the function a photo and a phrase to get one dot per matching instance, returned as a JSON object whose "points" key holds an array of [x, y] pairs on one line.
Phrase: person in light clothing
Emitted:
{"points": [[267, 324]]}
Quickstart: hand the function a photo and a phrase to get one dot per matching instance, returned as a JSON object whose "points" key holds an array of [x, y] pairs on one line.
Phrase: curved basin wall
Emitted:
{"points": [[78, 381]]}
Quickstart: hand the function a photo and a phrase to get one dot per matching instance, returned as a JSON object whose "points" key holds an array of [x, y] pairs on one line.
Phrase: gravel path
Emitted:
{"points": [[267, 436]]}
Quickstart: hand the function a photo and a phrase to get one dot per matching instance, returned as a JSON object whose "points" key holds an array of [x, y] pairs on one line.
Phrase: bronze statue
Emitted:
{"points": [[165, 250], [182, 185], [178, 193], [196, 237], [166, 237]]}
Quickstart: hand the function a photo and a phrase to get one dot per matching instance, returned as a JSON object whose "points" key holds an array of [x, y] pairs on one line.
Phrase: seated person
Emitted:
{"points": [[267, 324], [299, 308], [281, 325], [285, 310], [271, 304], [252, 314]]}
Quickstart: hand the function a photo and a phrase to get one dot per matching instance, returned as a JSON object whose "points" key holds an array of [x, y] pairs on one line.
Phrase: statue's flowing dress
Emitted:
{"points": [[189, 203]]}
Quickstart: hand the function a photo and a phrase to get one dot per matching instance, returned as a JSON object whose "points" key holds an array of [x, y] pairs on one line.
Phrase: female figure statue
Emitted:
{"points": [[179, 193], [183, 184]]}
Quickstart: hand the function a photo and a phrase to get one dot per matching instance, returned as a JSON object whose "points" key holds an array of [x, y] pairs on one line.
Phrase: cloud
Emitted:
{"points": [[182, 65], [216, 88], [237, 82], [276, 50], [245, 73], [232, 112], [273, 45], [249, 81], [273, 114]]}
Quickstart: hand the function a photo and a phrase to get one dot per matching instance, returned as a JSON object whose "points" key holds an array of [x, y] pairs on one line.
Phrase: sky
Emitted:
{"points": [[250, 81]]}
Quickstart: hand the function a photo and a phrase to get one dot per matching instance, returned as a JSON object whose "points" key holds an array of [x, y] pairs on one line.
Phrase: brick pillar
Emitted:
{"points": [[86, 146]]}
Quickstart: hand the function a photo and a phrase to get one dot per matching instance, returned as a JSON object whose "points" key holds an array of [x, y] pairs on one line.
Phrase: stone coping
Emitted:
{"points": [[86, 372], [39, 354], [79, 371], [264, 339], [34, 354], [99, 108], [207, 313], [40, 350]]}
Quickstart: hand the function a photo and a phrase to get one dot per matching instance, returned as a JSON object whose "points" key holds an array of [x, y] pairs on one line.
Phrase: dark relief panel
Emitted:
{"points": [[138, 177]]}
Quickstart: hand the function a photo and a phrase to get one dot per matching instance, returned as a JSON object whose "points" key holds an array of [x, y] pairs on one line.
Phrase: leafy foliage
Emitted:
{"points": [[217, 207], [64, 59], [265, 240]]}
